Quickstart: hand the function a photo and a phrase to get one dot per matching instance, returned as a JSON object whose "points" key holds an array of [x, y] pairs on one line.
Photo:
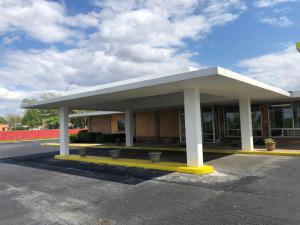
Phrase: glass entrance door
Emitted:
{"points": [[208, 124]]}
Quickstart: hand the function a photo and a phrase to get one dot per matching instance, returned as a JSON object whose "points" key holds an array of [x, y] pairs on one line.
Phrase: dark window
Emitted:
{"points": [[232, 120], [281, 117], [256, 120], [296, 107], [121, 125], [232, 117]]}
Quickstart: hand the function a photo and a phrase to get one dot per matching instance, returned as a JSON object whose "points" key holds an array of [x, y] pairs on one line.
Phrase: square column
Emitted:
{"points": [[64, 130], [129, 127], [193, 129], [246, 124]]}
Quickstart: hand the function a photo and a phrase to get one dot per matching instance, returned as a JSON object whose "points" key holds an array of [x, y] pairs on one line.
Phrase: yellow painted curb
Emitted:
{"points": [[256, 152], [206, 169], [139, 163]]}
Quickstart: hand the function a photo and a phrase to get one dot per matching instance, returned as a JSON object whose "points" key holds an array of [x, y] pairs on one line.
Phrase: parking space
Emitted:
{"points": [[245, 189]]}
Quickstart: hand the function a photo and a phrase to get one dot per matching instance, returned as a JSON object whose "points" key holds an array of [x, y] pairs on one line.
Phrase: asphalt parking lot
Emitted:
{"points": [[245, 189]]}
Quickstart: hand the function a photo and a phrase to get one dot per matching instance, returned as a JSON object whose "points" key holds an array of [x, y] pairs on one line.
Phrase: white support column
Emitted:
{"points": [[129, 127], [193, 129], [246, 124], [64, 130]]}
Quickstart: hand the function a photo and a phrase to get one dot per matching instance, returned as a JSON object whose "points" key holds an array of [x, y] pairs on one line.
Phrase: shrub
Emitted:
{"points": [[110, 138], [82, 132], [74, 138], [95, 137], [88, 137]]}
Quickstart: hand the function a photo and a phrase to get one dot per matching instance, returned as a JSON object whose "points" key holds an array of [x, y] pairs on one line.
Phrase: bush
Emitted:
{"points": [[95, 137], [88, 137], [82, 132], [74, 138], [110, 138]]}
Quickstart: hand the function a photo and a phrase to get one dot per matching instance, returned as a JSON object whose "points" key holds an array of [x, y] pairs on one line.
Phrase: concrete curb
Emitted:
{"points": [[139, 163]]}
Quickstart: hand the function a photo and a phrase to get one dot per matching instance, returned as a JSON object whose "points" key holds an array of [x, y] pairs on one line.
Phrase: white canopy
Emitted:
{"points": [[216, 85]]}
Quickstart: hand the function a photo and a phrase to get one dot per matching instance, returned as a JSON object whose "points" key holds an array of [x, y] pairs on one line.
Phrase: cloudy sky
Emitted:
{"points": [[59, 46]]}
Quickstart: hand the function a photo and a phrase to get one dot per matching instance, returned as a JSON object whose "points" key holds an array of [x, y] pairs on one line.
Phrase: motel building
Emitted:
{"points": [[188, 107]]}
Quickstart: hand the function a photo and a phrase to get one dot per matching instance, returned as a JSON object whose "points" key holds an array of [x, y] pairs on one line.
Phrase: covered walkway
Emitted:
{"points": [[189, 88]]}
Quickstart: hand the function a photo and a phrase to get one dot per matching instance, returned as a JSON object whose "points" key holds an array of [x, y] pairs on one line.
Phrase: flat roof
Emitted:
{"points": [[215, 81]]}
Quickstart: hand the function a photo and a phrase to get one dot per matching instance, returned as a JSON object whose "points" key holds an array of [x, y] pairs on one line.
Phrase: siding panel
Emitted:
{"points": [[145, 125], [100, 124], [169, 123]]}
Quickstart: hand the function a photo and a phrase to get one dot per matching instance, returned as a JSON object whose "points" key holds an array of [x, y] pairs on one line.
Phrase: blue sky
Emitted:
{"points": [[58, 46]]}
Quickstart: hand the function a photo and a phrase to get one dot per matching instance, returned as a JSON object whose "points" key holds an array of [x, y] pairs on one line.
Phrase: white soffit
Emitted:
{"points": [[94, 113]]}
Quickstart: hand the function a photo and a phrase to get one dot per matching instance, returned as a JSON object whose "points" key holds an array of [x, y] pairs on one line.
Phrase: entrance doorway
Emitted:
{"points": [[210, 124]]}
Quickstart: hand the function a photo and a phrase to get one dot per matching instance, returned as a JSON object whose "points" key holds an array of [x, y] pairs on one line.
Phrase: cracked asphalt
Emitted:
{"points": [[35, 189]]}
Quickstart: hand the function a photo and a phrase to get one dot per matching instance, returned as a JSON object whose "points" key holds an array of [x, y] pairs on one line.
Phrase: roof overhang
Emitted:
{"points": [[94, 113], [215, 84]]}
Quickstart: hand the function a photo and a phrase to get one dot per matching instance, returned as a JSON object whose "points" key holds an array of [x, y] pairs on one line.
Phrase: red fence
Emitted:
{"points": [[32, 134]]}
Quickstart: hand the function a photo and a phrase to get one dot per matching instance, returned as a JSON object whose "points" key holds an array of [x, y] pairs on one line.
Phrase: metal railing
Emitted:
{"points": [[285, 132], [232, 132], [237, 132]]}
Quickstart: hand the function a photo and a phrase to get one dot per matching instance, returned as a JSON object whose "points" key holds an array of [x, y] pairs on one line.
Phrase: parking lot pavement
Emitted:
{"points": [[245, 189]]}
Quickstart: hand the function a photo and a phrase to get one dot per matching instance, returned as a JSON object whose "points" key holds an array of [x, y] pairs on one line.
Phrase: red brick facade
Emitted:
{"points": [[153, 126], [163, 126], [100, 124]]}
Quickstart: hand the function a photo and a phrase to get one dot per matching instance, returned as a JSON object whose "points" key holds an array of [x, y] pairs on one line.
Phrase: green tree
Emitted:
{"points": [[3, 120], [32, 118], [51, 122], [79, 122], [49, 116], [14, 120]]}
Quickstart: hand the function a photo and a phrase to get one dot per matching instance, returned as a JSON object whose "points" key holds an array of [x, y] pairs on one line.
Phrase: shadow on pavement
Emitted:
{"points": [[125, 175]]}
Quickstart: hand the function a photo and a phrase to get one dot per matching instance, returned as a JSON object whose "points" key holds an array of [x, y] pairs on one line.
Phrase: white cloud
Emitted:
{"points": [[280, 69], [132, 38], [281, 21], [270, 3], [11, 95], [43, 20]]}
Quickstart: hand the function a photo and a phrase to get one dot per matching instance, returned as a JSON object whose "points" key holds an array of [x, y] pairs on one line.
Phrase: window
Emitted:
{"points": [[256, 120], [121, 125], [232, 120], [281, 117], [296, 110], [182, 125]]}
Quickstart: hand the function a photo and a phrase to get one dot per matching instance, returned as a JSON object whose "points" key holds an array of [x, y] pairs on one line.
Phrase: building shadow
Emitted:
{"points": [[119, 174]]}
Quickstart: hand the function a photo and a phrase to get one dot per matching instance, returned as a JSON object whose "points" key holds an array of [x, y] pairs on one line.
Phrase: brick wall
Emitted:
{"points": [[100, 124], [145, 126], [169, 125]]}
